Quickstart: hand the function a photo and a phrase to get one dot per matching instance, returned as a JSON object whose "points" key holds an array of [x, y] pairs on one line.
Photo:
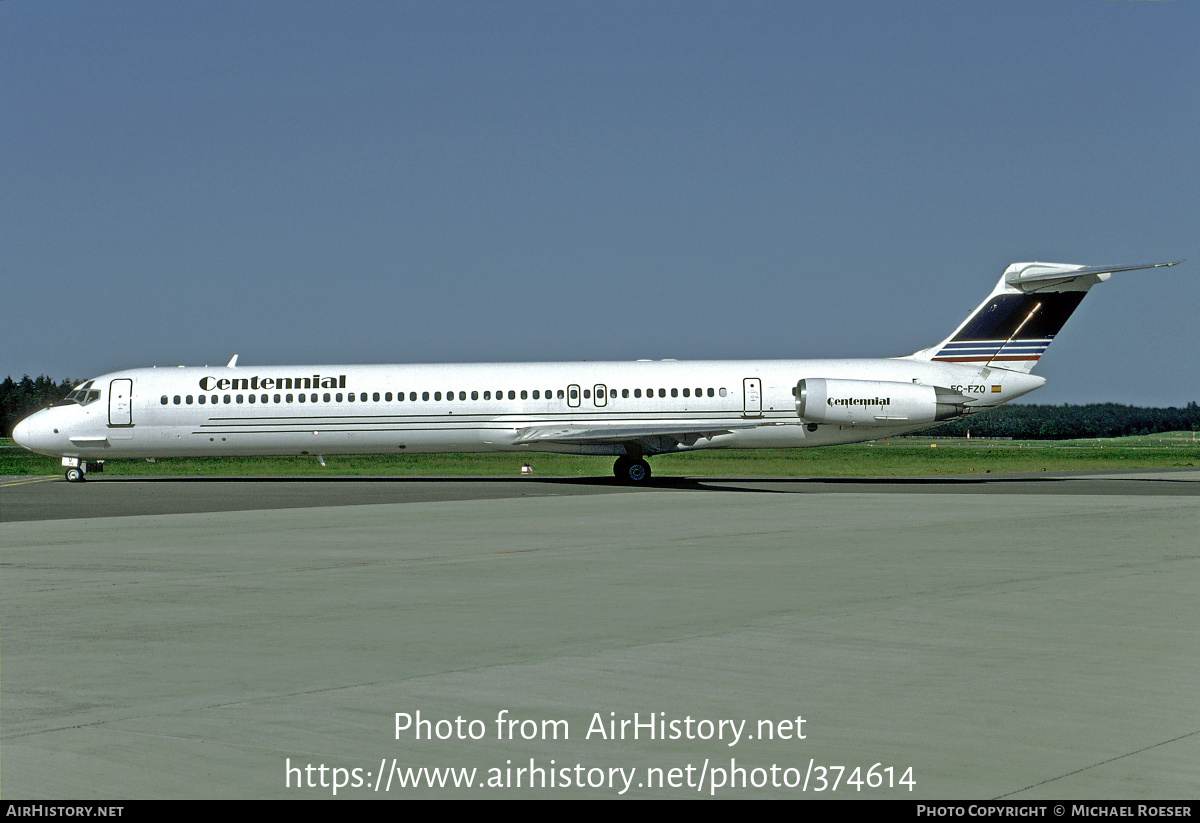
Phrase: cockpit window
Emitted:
{"points": [[83, 394]]}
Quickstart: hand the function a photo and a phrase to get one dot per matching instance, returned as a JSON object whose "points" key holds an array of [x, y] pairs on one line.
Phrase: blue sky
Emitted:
{"points": [[444, 182]]}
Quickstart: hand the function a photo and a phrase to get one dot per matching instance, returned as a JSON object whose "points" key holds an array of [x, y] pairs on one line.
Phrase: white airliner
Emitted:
{"points": [[631, 410]]}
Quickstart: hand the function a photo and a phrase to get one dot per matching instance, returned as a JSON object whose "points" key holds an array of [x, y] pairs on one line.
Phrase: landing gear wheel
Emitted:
{"points": [[632, 470], [621, 467], [74, 475]]}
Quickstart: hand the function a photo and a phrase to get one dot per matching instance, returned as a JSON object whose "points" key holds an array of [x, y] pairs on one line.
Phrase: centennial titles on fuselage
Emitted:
{"points": [[209, 383], [858, 401]]}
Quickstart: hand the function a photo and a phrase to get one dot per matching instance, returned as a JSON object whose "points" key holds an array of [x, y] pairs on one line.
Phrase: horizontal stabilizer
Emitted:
{"points": [[1038, 276]]}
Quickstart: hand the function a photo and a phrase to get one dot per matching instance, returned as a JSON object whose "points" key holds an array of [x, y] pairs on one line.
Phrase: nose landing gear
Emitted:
{"points": [[76, 470], [632, 470]]}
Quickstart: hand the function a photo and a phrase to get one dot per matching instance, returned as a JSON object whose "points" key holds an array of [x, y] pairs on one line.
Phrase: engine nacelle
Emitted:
{"points": [[875, 402]]}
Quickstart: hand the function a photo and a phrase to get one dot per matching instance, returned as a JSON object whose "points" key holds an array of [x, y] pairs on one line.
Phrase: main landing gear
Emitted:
{"points": [[74, 475], [632, 470]]}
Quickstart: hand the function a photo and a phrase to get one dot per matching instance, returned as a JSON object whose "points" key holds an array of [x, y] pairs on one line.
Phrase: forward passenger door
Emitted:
{"points": [[752, 397], [120, 402]]}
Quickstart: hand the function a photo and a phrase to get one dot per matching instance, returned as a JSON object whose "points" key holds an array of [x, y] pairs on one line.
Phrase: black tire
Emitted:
{"points": [[621, 467], [634, 471], [74, 475]]}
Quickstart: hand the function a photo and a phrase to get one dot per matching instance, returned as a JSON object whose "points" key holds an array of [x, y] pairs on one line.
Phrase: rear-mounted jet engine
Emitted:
{"points": [[875, 402]]}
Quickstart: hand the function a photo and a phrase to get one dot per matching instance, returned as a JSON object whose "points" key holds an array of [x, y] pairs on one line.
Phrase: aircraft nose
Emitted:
{"points": [[33, 433], [22, 433]]}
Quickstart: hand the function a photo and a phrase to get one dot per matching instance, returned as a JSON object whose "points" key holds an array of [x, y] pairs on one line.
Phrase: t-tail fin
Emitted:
{"points": [[1012, 328]]}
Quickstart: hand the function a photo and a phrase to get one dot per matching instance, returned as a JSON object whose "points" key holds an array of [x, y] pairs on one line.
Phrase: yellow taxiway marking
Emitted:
{"points": [[24, 481]]}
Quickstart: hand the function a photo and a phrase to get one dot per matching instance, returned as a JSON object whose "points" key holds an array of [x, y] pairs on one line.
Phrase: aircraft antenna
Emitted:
{"points": [[1016, 331]]}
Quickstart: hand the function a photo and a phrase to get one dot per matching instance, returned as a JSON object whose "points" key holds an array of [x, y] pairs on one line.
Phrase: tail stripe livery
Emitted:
{"points": [[1011, 327]]}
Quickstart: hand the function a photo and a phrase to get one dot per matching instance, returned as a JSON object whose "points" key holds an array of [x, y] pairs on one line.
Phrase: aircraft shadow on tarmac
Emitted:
{"points": [[762, 485]]}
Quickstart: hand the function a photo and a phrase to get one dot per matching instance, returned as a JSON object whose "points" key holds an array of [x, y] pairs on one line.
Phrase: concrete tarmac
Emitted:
{"points": [[51, 498], [1018, 637]]}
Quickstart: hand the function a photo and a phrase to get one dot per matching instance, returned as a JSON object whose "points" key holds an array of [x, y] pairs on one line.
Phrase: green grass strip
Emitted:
{"points": [[898, 457]]}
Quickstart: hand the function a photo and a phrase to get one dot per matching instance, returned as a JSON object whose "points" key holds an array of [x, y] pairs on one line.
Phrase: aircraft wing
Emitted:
{"points": [[590, 434]]}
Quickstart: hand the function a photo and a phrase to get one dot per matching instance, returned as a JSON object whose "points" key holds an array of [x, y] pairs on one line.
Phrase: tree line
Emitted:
{"points": [[19, 398], [1070, 422]]}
